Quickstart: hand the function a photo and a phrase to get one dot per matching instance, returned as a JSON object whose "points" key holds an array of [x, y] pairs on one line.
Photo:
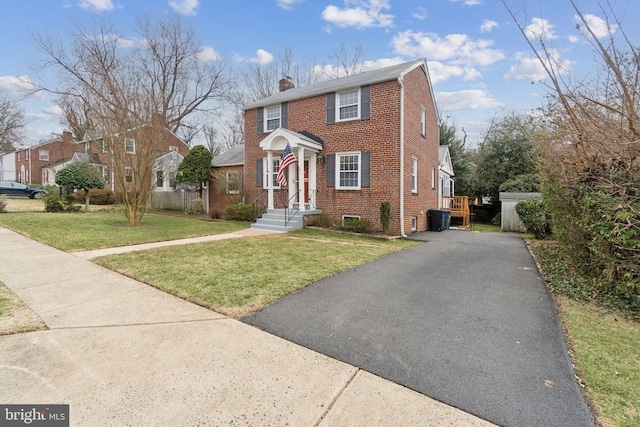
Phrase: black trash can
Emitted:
{"points": [[437, 220]]}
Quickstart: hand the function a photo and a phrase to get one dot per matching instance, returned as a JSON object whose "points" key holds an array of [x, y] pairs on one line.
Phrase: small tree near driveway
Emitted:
{"points": [[195, 167], [81, 176]]}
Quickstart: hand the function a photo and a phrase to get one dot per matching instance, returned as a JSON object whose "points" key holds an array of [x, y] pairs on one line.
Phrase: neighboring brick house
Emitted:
{"points": [[359, 141], [226, 184], [31, 161], [39, 164], [169, 153]]}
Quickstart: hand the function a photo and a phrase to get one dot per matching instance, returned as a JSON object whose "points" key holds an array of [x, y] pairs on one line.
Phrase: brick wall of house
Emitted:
{"points": [[423, 148], [380, 135], [94, 148], [219, 198], [29, 158]]}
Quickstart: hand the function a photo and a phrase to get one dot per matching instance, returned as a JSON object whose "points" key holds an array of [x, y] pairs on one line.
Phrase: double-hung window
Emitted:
{"points": [[130, 146], [414, 175], [233, 182], [159, 179], [272, 117], [423, 121], [43, 155], [348, 171], [271, 173], [348, 107], [128, 174], [105, 174]]}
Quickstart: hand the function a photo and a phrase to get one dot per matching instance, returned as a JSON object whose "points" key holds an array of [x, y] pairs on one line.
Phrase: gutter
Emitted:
{"points": [[400, 82]]}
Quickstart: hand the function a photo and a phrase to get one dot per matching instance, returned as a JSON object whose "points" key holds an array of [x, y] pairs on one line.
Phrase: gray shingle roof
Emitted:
{"points": [[232, 157], [335, 85]]}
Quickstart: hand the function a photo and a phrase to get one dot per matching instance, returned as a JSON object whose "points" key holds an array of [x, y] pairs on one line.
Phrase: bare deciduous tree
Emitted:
{"points": [[132, 91], [11, 124], [347, 62]]}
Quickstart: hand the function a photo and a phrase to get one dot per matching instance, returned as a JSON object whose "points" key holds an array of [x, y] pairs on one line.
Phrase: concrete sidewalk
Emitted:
{"points": [[122, 353], [143, 246]]}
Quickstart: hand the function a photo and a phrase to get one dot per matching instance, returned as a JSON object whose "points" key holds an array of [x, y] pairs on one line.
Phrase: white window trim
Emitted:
{"points": [[266, 120], [414, 174], [414, 223], [359, 104], [43, 155], [103, 146], [433, 178], [237, 191], [162, 179], [133, 141], [126, 175], [337, 167], [274, 173], [423, 121], [355, 217]]}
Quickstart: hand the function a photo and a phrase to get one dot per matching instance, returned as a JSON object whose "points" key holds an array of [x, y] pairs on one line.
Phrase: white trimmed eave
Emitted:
{"points": [[278, 138]]}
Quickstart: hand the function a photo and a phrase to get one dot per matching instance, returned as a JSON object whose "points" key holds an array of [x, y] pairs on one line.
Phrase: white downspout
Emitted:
{"points": [[400, 82]]}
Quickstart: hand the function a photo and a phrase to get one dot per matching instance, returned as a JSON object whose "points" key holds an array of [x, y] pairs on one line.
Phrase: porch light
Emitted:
{"points": [[320, 159]]}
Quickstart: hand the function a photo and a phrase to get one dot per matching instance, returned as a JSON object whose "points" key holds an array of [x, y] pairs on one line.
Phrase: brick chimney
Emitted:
{"points": [[286, 83], [67, 137]]}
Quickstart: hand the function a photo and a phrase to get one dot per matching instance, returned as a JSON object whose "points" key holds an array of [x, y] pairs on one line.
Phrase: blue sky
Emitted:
{"points": [[478, 61]]}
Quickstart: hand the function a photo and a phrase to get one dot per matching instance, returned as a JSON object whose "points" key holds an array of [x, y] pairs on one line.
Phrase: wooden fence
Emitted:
{"points": [[178, 199], [510, 221]]}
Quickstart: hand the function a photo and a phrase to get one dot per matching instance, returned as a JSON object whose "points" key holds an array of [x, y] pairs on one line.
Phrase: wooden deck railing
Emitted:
{"points": [[459, 207]]}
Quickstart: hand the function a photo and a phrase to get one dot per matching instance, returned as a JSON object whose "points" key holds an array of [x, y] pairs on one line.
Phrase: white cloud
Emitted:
{"points": [[468, 2], [488, 25], [574, 39], [530, 68], [440, 72], [420, 13], [96, 5], [288, 4], [207, 53], [598, 25], [458, 49], [540, 29], [52, 113], [17, 85], [473, 99], [185, 7], [262, 57], [362, 14]]}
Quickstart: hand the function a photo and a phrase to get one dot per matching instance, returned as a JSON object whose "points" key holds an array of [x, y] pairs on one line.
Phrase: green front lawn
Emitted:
{"points": [[238, 276], [86, 231]]}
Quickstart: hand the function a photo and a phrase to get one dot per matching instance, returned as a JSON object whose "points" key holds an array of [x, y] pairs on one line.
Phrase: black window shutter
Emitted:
{"points": [[331, 108], [259, 164], [259, 118], [331, 170], [284, 115], [365, 102], [365, 180]]}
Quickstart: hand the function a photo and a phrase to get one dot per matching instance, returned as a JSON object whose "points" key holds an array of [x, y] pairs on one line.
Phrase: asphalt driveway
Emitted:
{"points": [[463, 318]]}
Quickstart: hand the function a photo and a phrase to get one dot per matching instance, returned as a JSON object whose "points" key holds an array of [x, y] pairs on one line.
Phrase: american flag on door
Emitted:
{"points": [[287, 159]]}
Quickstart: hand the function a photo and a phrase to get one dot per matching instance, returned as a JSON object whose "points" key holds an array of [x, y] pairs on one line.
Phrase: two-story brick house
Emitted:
{"points": [[31, 161], [359, 141]]}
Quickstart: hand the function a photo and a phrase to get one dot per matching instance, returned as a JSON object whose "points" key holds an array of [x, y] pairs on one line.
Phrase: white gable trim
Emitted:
{"points": [[279, 137]]}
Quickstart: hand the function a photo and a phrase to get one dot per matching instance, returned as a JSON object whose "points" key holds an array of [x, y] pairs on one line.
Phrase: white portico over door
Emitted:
{"points": [[306, 151]]}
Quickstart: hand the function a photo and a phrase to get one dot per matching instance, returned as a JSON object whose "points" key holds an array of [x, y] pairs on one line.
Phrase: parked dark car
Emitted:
{"points": [[17, 189]]}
